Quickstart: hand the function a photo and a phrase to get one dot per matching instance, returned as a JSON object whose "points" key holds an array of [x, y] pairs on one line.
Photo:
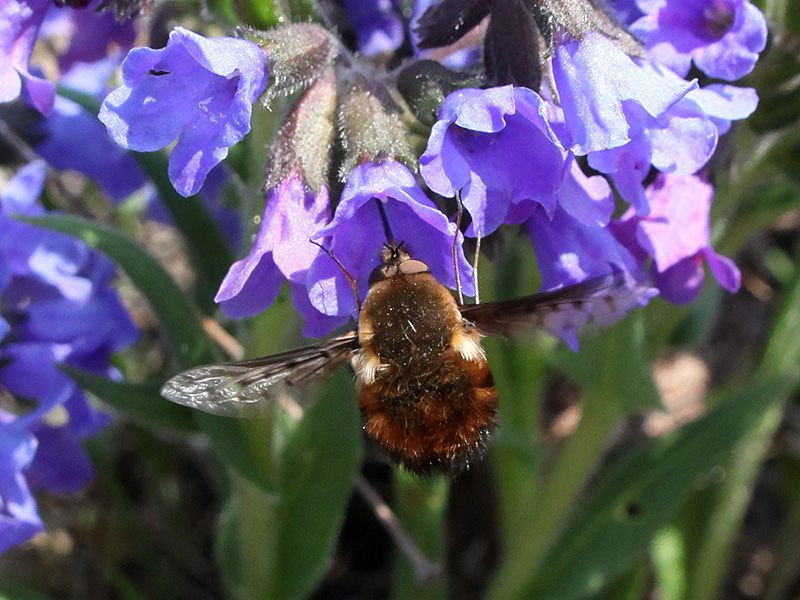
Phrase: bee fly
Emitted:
{"points": [[426, 390]]}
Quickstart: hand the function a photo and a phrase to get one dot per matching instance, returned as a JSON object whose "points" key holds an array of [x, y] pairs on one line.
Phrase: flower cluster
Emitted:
{"points": [[551, 116], [553, 141], [609, 94], [56, 307]]}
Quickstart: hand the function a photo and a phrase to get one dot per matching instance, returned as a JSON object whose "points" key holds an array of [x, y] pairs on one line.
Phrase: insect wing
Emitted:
{"points": [[601, 299], [245, 388]]}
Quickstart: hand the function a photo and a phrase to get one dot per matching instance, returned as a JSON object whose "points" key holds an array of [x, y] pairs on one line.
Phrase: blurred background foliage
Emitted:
{"points": [[660, 461]]}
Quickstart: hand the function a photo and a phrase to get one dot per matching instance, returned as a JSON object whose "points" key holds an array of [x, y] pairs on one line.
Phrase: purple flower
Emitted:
{"points": [[197, 90], [94, 36], [676, 235], [626, 11], [58, 308], [680, 141], [19, 519], [574, 244], [725, 103], [722, 37], [293, 214], [381, 203], [379, 28], [604, 93], [77, 140], [496, 147], [20, 21]]}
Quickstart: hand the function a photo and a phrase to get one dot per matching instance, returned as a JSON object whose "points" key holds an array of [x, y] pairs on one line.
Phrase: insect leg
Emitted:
{"points": [[475, 267], [455, 246]]}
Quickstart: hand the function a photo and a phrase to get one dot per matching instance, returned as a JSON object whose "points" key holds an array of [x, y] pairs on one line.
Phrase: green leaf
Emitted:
{"points": [[611, 366], [140, 401], [226, 545], [240, 443], [643, 491], [782, 354], [669, 563], [176, 313], [11, 590], [304, 10], [317, 469], [421, 505], [261, 14]]}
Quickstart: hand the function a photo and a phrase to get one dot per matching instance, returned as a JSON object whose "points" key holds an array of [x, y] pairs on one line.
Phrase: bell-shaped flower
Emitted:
{"points": [[723, 38], [20, 21], [19, 518], [381, 203], [675, 235], [56, 307], [195, 89], [378, 25], [604, 93], [282, 250], [497, 150], [568, 252]]}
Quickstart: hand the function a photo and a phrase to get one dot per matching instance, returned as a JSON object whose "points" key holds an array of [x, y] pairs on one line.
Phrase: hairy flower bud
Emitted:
{"points": [[371, 126], [298, 55], [304, 141]]}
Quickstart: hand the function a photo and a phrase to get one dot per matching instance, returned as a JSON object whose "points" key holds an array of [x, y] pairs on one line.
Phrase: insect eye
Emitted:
{"points": [[382, 272], [411, 266]]}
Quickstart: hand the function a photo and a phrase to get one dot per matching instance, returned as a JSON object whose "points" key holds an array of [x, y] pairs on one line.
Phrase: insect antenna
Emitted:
{"points": [[455, 255], [387, 229], [350, 279]]}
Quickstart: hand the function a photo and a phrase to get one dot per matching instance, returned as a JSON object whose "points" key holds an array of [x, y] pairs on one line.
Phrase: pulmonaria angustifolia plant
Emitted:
{"points": [[566, 118], [57, 307], [587, 125]]}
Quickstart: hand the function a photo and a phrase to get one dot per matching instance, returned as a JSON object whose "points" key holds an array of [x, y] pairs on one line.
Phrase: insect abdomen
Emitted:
{"points": [[434, 426]]}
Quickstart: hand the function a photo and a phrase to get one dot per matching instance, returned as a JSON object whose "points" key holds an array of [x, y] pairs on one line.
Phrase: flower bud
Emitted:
{"points": [[298, 55], [371, 126], [304, 141]]}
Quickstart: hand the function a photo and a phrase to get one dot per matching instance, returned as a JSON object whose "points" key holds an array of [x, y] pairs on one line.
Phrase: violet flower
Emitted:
{"points": [[20, 21], [358, 231], [198, 90], [574, 244], [603, 92], [498, 150], [58, 307], [378, 25], [19, 519], [75, 139], [676, 236], [723, 38], [282, 250], [93, 36]]}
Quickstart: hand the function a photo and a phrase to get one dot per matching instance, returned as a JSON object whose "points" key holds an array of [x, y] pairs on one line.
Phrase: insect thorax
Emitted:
{"points": [[408, 321]]}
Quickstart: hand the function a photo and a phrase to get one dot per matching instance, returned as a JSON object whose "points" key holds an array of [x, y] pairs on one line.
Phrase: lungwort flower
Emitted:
{"points": [[196, 89], [675, 237], [20, 21], [56, 307]]}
